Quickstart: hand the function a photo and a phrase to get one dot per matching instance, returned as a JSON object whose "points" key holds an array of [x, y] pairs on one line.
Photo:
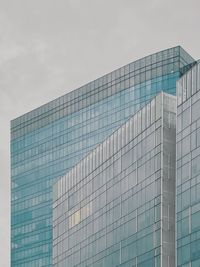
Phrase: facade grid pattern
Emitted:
{"points": [[48, 141], [188, 169], [116, 206]]}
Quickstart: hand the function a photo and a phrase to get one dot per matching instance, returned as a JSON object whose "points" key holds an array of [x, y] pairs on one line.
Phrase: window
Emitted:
{"points": [[195, 111], [186, 145], [117, 167], [195, 166], [74, 219], [185, 118], [127, 160], [185, 172], [195, 221], [185, 199]]}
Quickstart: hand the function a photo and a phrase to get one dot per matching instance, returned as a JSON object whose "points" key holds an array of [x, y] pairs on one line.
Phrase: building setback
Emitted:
{"points": [[116, 207], [188, 169], [51, 139]]}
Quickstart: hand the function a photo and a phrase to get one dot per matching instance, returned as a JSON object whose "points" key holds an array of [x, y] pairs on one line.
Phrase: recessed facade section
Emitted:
{"points": [[116, 206]]}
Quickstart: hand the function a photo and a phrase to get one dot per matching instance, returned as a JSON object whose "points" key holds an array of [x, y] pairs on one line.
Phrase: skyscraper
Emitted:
{"points": [[188, 169], [116, 207], [51, 139]]}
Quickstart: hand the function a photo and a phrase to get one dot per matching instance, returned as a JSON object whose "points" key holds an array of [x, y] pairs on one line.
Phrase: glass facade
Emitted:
{"points": [[54, 137], [188, 169], [116, 206]]}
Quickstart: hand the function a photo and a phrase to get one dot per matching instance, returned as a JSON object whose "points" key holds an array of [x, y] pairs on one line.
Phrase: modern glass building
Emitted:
{"points": [[116, 206], [51, 139], [188, 169]]}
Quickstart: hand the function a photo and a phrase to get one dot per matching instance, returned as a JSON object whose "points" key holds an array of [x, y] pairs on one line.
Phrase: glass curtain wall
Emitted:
{"points": [[54, 137], [188, 169], [116, 207]]}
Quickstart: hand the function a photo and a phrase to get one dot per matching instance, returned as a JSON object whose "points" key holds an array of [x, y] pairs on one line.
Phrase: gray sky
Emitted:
{"points": [[50, 47]]}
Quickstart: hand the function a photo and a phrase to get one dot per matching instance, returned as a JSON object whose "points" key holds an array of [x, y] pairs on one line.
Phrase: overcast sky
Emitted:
{"points": [[50, 47]]}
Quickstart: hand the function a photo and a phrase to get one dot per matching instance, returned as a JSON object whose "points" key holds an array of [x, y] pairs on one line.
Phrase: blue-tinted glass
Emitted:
{"points": [[118, 219], [48, 141], [188, 172]]}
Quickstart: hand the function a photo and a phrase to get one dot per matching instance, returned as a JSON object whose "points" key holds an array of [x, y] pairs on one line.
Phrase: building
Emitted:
{"points": [[116, 207], [51, 139], [188, 169]]}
